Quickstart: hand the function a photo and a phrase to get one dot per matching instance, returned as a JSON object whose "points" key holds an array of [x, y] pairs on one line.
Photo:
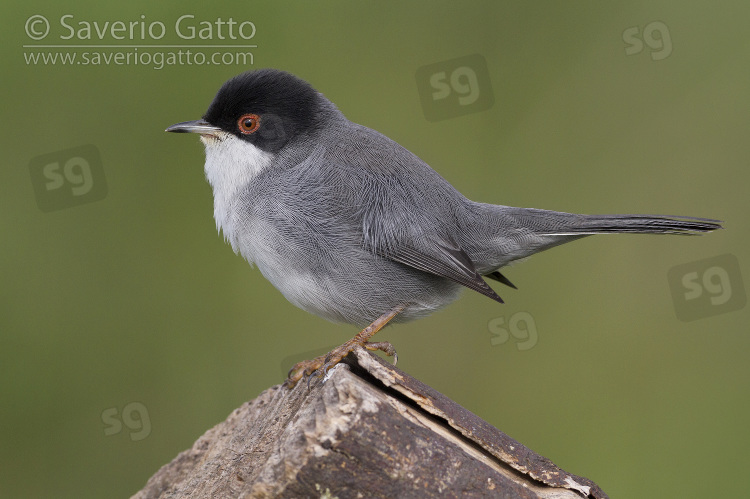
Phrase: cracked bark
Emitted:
{"points": [[369, 431]]}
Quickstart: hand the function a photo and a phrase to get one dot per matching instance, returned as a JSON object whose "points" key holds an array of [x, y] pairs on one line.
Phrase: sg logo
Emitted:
{"points": [[456, 87], [521, 326], [463, 81], [68, 178], [661, 45], [135, 417], [707, 287]]}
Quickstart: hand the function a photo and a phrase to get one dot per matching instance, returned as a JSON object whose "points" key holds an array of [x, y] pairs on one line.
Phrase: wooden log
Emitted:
{"points": [[370, 430]]}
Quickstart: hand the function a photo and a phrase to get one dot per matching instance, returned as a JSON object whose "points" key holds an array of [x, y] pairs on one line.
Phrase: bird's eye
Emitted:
{"points": [[248, 123]]}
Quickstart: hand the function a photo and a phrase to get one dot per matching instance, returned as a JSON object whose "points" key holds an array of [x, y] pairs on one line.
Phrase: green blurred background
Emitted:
{"points": [[128, 327]]}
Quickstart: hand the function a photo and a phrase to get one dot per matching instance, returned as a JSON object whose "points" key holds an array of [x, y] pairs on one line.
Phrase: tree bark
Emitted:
{"points": [[369, 430]]}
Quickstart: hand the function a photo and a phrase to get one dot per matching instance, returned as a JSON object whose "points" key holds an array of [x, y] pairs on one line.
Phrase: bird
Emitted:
{"points": [[352, 227]]}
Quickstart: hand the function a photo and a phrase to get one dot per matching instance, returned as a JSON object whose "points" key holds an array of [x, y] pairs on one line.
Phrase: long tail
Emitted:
{"points": [[638, 224], [556, 223], [526, 231]]}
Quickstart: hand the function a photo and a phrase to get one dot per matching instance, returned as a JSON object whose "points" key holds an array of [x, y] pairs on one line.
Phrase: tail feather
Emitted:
{"points": [[580, 225], [517, 233]]}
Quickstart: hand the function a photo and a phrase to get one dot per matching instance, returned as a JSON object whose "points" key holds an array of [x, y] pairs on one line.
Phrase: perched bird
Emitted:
{"points": [[353, 227]]}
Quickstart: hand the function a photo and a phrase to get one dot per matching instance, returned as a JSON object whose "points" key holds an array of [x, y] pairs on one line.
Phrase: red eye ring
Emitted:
{"points": [[248, 123]]}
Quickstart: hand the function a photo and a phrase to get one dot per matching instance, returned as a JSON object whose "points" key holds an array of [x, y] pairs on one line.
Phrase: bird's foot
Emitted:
{"points": [[319, 366]]}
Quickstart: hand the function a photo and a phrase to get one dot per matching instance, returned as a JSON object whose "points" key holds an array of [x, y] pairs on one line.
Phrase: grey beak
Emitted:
{"points": [[196, 126]]}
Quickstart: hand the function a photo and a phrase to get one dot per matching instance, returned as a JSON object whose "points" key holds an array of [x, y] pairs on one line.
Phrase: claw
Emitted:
{"points": [[320, 366]]}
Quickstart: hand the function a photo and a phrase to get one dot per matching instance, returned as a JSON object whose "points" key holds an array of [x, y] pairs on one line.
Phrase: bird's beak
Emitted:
{"points": [[202, 127]]}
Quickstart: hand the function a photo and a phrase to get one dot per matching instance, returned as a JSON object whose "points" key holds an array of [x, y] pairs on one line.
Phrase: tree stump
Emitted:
{"points": [[369, 430]]}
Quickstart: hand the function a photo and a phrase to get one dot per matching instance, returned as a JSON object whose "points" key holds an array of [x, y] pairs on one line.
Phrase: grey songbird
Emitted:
{"points": [[351, 226]]}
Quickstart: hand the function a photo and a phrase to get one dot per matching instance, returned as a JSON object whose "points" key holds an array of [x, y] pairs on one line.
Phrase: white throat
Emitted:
{"points": [[231, 164]]}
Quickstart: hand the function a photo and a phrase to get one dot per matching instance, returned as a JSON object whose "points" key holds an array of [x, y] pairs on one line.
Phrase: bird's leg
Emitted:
{"points": [[319, 366]]}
